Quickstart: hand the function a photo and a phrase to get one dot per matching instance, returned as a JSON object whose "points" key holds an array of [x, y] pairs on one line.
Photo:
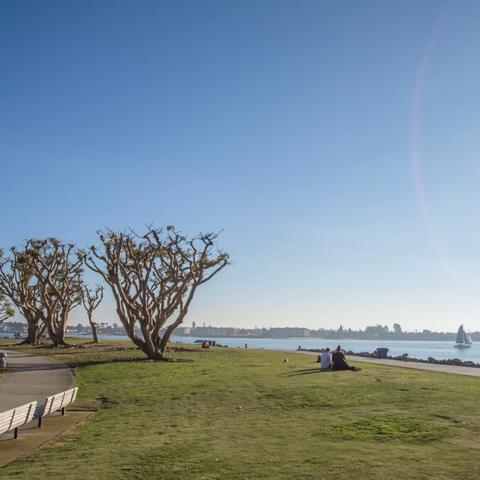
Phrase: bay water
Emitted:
{"points": [[439, 350]]}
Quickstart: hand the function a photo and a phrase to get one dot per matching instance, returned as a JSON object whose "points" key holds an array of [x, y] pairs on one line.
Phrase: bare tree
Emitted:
{"points": [[154, 278], [18, 283], [6, 309], [58, 275], [91, 299]]}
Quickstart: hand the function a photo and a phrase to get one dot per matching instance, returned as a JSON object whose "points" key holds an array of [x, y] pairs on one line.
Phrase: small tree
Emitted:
{"points": [[6, 309], [154, 278], [91, 299], [18, 283], [58, 275]]}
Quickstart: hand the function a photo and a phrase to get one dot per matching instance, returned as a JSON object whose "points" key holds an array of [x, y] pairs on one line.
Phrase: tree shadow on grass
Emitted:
{"points": [[89, 363], [306, 371], [76, 350], [36, 367], [14, 344], [92, 349]]}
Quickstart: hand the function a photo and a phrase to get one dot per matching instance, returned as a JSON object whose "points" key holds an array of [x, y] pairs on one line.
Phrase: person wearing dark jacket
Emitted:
{"points": [[339, 361]]}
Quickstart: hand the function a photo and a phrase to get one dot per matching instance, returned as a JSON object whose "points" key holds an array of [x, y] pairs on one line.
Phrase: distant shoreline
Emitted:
{"points": [[326, 339], [421, 349]]}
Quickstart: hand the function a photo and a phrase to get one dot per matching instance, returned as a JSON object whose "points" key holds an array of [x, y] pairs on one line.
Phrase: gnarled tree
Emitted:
{"points": [[59, 273], [91, 299], [154, 278], [18, 283], [6, 309]]}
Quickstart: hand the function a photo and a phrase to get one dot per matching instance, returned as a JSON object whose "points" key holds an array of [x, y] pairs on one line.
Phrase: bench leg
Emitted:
{"points": [[15, 433], [39, 422], [63, 411]]}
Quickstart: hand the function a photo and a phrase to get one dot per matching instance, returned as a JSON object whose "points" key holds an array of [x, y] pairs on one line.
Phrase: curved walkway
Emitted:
{"points": [[32, 377]]}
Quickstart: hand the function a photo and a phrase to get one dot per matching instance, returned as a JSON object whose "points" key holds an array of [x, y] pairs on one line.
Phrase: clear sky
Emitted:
{"points": [[336, 143]]}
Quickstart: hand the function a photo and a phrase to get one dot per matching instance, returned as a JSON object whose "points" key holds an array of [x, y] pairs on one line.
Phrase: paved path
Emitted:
{"points": [[32, 437], [32, 377], [433, 367]]}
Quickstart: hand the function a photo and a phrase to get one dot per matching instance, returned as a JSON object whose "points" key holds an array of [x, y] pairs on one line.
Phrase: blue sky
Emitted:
{"points": [[286, 124]]}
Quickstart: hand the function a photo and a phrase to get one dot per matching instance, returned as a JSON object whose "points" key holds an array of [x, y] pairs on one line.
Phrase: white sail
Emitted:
{"points": [[463, 340]]}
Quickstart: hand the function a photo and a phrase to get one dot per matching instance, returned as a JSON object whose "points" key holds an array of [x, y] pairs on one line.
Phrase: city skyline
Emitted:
{"points": [[336, 149]]}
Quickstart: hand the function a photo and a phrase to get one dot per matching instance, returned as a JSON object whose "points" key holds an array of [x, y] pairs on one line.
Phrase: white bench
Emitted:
{"points": [[56, 402], [16, 417]]}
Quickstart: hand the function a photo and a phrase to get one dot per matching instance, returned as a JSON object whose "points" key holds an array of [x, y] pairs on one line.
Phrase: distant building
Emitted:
{"points": [[288, 332], [183, 331]]}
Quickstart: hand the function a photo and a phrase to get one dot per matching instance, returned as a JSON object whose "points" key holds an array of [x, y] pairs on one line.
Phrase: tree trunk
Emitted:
{"points": [[35, 332], [165, 340], [151, 351], [58, 337], [169, 331], [155, 356], [147, 348], [163, 345], [94, 332], [93, 326]]}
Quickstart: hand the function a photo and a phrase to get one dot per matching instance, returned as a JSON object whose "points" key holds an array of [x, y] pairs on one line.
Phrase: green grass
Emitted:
{"points": [[244, 414]]}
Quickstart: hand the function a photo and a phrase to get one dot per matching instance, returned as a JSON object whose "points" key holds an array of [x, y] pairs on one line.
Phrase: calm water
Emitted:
{"points": [[416, 349]]}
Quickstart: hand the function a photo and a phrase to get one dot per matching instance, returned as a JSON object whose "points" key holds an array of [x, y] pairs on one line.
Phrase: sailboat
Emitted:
{"points": [[463, 339]]}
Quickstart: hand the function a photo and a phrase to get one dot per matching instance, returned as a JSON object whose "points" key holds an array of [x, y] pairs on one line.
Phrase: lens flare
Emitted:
{"points": [[414, 141]]}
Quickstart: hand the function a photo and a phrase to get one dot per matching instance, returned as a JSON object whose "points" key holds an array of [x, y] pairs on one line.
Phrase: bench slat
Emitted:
{"points": [[57, 402], [17, 417]]}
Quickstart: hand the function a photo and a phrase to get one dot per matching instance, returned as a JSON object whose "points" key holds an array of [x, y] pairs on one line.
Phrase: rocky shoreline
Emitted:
{"points": [[403, 358]]}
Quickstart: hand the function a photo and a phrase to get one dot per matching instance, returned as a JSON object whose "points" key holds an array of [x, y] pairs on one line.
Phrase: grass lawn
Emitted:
{"points": [[244, 414]]}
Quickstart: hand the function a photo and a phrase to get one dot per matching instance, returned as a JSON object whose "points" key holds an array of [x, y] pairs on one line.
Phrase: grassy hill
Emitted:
{"points": [[245, 414]]}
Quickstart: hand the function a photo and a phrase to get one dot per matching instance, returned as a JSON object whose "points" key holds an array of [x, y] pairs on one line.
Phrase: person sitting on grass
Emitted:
{"points": [[326, 360], [339, 361]]}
